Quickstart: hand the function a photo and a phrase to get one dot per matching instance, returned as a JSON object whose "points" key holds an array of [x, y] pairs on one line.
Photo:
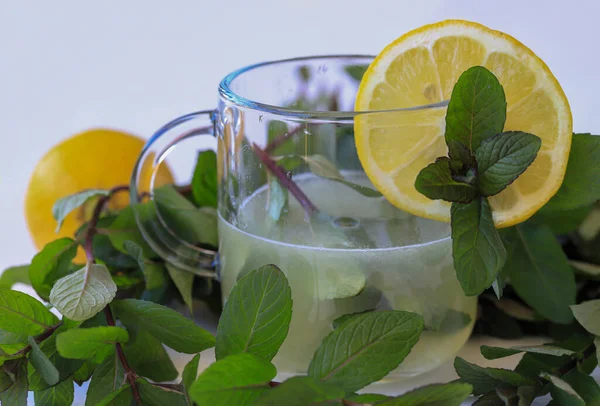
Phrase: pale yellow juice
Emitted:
{"points": [[366, 255]]}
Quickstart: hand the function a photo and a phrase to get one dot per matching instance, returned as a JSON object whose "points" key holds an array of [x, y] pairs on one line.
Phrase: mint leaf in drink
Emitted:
{"points": [[257, 315], [107, 378], [485, 380], [499, 352], [22, 314], [42, 364], [278, 130], [14, 274], [581, 184], [204, 180], [82, 294], [352, 361], [585, 386], [147, 357], [477, 110], [95, 342], [562, 392], [59, 395], [189, 374], [184, 282], [278, 199], [16, 395], [502, 158], [50, 264], [121, 397], [166, 325], [155, 273], [356, 72], [239, 380], [436, 182], [449, 394], [588, 315], [125, 228], [67, 204], [540, 272], [476, 246], [157, 396], [300, 391]]}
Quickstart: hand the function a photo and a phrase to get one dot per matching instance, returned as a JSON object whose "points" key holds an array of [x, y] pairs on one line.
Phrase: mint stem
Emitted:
{"points": [[130, 375], [46, 334]]}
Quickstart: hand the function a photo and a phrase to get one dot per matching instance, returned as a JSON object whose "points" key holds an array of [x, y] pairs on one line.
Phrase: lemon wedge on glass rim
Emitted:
{"points": [[421, 68]]}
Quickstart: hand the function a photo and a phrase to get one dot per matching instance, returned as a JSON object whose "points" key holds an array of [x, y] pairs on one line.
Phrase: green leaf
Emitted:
{"points": [[476, 246], [526, 395], [204, 180], [166, 325], [95, 342], [66, 367], [561, 221], [300, 391], [121, 397], [154, 272], [238, 380], [435, 181], [366, 398], [22, 314], [59, 395], [344, 318], [485, 380], [5, 381], [540, 273], [14, 274], [498, 352], [196, 225], [562, 392], [184, 281], [356, 72], [585, 386], [190, 373], [16, 395], [147, 357], [105, 253], [275, 130], [67, 204], [588, 315], [597, 345], [278, 198], [85, 372], [82, 294], [477, 109], [125, 228], [586, 268], [257, 315], [450, 394], [581, 184], [42, 364], [352, 360], [107, 378], [154, 396], [502, 158], [51, 264]]}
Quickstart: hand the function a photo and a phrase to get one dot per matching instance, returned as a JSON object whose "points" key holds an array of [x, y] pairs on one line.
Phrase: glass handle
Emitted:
{"points": [[160, 237]]}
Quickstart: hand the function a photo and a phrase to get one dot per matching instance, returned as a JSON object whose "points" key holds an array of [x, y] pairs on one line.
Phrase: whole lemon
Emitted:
{"points": [[97, 158]]}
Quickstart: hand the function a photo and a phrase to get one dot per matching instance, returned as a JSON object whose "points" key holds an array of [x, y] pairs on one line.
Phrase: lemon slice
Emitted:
{"points": [[421, 68]]}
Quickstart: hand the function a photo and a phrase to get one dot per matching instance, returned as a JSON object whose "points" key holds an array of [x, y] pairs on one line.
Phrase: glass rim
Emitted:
{"points": [[228, 94]]}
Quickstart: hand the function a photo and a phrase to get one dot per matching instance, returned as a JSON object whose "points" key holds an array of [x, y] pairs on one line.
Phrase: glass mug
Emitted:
{"points": [[292, 192]]}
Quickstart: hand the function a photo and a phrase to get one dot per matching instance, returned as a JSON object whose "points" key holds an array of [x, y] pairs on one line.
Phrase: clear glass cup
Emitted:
{"points": [[284, 129]]}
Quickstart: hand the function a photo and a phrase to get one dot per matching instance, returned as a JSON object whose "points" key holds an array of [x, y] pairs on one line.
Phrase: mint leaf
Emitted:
{"points": [[107, 378], [42, 364], [502, 158], [125, 228], [581, 184], [275, 130], [154, 396], [166, 325], [59, 395], [366, 398], [189, 374], [82, 294], [562, 392], [597, 345], [50, 264], [344, 318], [476, 246], [351, 360], [435, 181], [585, 386], [561, 221], [105, 253], [356, 72], [67, 204], [154, 272], [121, 397], [14, 274], [588, 315], [300, 391], [84, 373], [238, 380], [5, 381], [485, 380], [16, 395], [195, 225], [184, 282], [537, 260], [450, 394], [147, 357], [257, 315], [278, 198], [66, 367], [22, 314], [477, 109], [95, 342], [498, 352], [204, 180]]}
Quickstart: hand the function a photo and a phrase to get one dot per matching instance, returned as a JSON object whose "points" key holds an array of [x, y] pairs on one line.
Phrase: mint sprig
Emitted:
{"points": [[482, 161]]}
